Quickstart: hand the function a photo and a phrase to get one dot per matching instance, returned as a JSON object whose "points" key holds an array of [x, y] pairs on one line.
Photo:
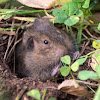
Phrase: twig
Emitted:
{"points": [[6, 32], [8, 25], [87, 83], [84, 47], [84, 36], [13, 47], [9, 41], [90, 34], [2, 44], [19, 96], [7, 47], [15, 44]]}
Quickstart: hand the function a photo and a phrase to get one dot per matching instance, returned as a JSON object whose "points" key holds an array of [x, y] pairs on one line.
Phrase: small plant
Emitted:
{"points": [[37, 95], [84, 75], [66, 69], [74, 14]]}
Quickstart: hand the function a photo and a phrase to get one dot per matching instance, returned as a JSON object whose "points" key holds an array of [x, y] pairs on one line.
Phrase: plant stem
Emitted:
{"points": [[74, 78], [97, 21], [90, 53], [59, 3], [71, 32], [91, 89], [89, 39], [44, 93], [79, 36]]}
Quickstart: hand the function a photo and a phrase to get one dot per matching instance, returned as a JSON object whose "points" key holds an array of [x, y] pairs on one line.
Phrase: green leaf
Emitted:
{"points": [[98, 70], [35, 94], [96, 44], [81, 60], [66, 59], [84, 75], [52, 98], [78, 5], [18, 11], [97, 57], [64, 70], [97, 95], [99, 26], [7, 16], [7, 10], [2, 1], [77, 0], [6, 29], [79, 13], [86, 4], [70, 8], [60, 14], [71, 21], [75, 66]]}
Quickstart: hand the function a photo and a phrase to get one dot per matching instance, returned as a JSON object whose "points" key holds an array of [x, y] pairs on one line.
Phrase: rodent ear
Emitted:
{"points": [[30, 43]]}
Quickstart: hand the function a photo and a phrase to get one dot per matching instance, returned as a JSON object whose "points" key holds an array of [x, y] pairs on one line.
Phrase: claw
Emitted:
{"points": [[76, 55]]}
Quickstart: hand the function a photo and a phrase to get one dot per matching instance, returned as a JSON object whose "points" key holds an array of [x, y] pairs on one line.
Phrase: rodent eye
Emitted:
{"points": [[46, 42]]}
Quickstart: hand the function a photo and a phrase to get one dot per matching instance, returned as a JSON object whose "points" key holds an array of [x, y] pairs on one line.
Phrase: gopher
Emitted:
{"points": [[38, 54]]}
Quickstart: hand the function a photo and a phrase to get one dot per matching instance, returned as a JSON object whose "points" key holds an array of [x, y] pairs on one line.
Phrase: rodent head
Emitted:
{"points": [[46, 35], [44, 44]]}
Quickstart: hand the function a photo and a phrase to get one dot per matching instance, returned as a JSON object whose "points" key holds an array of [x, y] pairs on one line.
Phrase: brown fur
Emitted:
{"points": [[42, 61]]}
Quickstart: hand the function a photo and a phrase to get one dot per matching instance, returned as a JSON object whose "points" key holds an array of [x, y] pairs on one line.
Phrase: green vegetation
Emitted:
{"points": [[36, 94], [68, 67], [74, 14]]}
